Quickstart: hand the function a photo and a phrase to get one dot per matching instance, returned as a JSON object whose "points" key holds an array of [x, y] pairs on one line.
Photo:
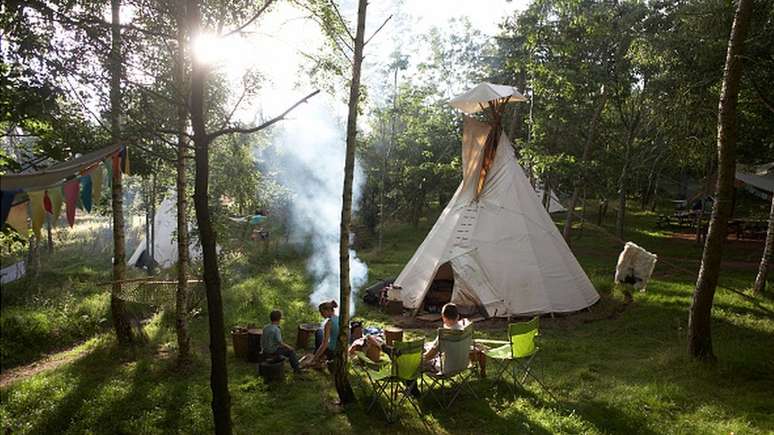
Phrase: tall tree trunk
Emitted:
{"points": [[700, 312], [763, 268], [221, 399], [580, 181], [341, 379], [182, 295], [118, 311]]}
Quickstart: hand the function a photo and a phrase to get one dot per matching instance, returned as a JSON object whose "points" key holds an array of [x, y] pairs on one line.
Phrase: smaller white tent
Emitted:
{"points": [[165, 240], [554, 206]]}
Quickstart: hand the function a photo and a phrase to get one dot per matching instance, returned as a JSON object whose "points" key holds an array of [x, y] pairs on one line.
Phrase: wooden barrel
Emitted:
{"points": [[254, 345], [239, 339], [305, 330], [392, 334]]}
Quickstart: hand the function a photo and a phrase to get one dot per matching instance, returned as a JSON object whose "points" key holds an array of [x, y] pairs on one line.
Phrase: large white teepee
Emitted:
{"points": [[505, 252]]}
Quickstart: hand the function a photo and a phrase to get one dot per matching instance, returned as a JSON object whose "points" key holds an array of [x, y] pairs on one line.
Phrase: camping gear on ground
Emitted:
{"points": [[272, 369], [372, 330], [254, 344], [305, 330], [392, 334], [239, 340], [455, 367], [516, 355], [635, 266], [370, 345], [395, 380], [374, 293], [506, 254]]}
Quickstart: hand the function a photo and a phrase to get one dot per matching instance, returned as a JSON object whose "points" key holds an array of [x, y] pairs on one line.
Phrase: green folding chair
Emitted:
{"points": [[516, 355], [395, 381], [455, 367]]}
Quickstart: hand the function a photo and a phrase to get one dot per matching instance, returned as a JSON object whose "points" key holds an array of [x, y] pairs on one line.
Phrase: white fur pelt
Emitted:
{"points": [[635, 266]]}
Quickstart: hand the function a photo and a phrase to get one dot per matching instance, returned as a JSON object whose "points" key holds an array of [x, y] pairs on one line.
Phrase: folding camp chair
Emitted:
{"points": [[455, 367], [396, 381], [517, 354]]}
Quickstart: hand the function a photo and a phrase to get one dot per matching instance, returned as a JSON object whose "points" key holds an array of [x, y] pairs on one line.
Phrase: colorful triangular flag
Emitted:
{"points": [[70, 190], [37, 212], [17, 219], [55, 195], [96, 184], [6, 201], [86, 192], [125, 160]]}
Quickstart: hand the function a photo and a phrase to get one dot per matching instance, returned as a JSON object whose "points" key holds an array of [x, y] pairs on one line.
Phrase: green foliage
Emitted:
{"points": [[613, 373]]}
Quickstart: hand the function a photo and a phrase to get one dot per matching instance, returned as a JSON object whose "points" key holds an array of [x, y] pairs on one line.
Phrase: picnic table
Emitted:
{"points": [[748, 228]]}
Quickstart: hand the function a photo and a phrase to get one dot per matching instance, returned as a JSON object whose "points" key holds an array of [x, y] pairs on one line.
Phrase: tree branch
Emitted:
{"points": [[266, 124], [377, 30], [251, 20], [343, 23]]}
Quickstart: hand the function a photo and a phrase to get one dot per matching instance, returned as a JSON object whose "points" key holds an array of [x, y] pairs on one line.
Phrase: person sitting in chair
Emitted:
{"points": [[326, 339], [272, 344], [450, 316]]}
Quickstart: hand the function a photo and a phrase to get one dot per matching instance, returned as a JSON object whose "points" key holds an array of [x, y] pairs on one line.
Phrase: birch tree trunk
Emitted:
{"points": [[182, 294], [341, 378], [700, 312], [763, 268], [221, 399], [118, 312]]}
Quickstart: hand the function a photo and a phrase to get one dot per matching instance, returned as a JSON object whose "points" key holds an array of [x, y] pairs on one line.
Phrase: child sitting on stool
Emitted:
{"points": [[272, 344]]}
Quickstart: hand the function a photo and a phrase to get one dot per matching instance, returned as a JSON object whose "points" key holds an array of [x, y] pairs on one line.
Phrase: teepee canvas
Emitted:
{"points": [[504, 251]]}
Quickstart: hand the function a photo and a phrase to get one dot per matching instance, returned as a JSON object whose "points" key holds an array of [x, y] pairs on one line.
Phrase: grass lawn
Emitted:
{"points": [[615, 370]]}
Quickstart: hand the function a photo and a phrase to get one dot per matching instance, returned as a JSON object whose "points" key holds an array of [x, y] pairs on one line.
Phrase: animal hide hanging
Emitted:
{"points": [[635, 266]]}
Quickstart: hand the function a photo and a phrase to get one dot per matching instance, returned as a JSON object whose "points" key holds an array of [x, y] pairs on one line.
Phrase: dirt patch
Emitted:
{"points": [[49, 362]]}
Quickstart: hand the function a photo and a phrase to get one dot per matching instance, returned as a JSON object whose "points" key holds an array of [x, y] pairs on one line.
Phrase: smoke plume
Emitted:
{"points": [[312, 148]]}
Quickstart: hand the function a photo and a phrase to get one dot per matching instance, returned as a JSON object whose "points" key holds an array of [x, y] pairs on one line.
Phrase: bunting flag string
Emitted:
{"points": [[77, 182]]}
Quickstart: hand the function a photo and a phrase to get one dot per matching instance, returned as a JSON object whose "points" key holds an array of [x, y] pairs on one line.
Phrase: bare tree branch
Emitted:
{"points": [[251, 20], [377, 30], [234, 109], [343, 23], [221, 132]]}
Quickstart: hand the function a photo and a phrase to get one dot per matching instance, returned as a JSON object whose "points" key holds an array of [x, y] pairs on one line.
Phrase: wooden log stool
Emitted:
{"points": [[305, 330], [392, 334]]}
